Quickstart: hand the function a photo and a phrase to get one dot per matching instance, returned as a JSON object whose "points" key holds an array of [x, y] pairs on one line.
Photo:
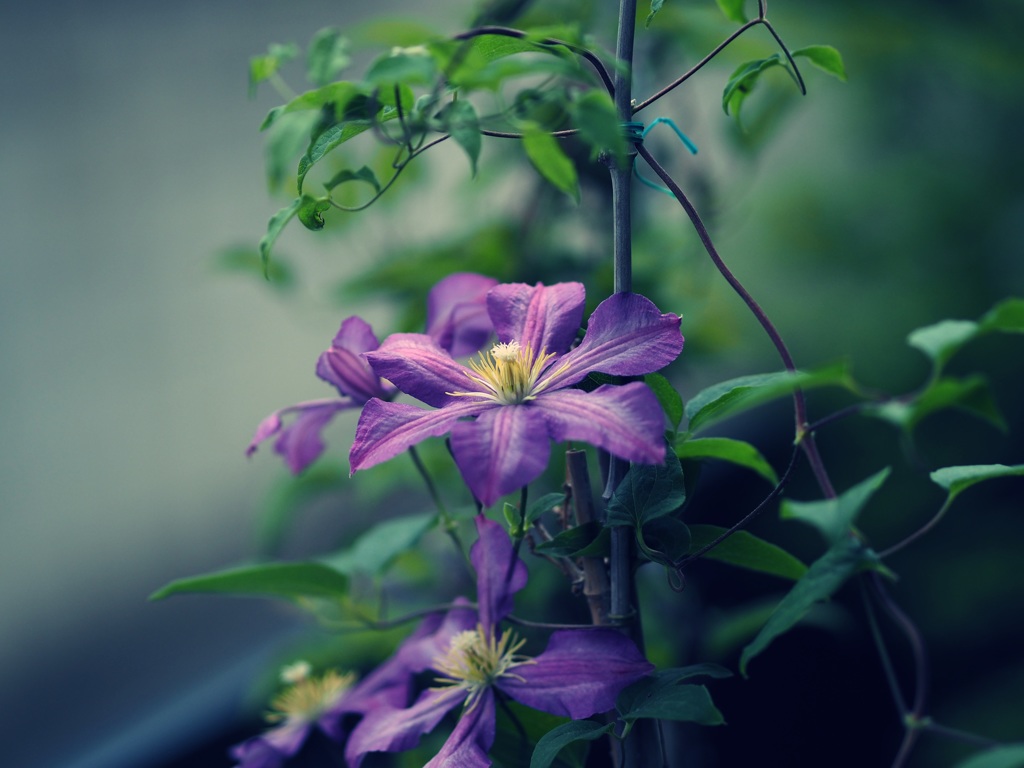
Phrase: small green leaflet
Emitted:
{"points": [[743, 80], [958, 479], [337, 94], [735, 452], [944, 339], [460, 121], [274, 227], [745, 550], [570, 542], [971, 394], [824, 57], [551, 162], [728, 398], [647, 492], [835, 517], [661, 697], [292, 581], [655, 7], [733, 10], [311, 211], [376, 549], [671, 401], [824, 577], [1003, 756], [597, 120], [364, 174], [552, 742], [327, 56], [408, 66], [264, 67]]}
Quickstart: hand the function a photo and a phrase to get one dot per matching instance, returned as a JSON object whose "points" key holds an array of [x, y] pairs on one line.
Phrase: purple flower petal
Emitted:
{"points": [[422, 649], [626, 421], [468, 745], [273, 748], [499, 573], [344, 366], [503, 450], [627, 335], [396, 730], [415, 364], [386, 429], [579, 674], [299, 443], [545, 318], [457, 313]]}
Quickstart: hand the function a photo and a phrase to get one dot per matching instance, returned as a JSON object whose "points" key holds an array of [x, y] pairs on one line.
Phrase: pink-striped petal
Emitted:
{"points": [[545, 318], [504, 449], [626, 421], [387, 429]]}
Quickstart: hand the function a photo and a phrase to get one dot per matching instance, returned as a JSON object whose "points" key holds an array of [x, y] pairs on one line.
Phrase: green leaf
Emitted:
{"points": [[971, 394], [364, 174], [1003, 756], [958, 479], [664, 540], [824, 57], [671, 401], [942, 340], [597, 120], [461, 123], [647, 492], [543, 505], [264, 67], [733, 10], [330, 139], [729, 398], [554, 741], [515, 720], [743, 80], [548, 158], [285, 141], [408, 66], [835, 517], [655, 7], [825, 576], [568, 543], [327, 56], [662, 698], [292, 581], [1007, 316], [745, 550], [337, 94], [311, 211], [377, 548], [726, 449], [274, 227]]}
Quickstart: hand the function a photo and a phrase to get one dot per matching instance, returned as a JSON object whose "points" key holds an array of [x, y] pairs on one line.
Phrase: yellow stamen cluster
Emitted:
{"points": [[475, 660], [308, 696], [510, 375]]}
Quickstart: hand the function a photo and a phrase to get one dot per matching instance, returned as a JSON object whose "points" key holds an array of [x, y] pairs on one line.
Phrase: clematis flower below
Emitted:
{"points": [[521, 395], [456, 319], [578, 675]]}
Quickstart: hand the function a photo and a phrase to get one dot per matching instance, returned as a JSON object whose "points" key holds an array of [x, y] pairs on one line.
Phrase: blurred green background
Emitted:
{"points": [[135, 365]]}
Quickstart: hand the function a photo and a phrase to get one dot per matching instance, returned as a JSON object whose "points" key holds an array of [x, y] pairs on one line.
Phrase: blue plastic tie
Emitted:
{"points": [[633, 129]]}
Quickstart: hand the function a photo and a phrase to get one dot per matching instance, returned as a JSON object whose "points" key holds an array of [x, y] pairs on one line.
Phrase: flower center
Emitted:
{"points": [[510, 375], [307, 696], [475, 661]]}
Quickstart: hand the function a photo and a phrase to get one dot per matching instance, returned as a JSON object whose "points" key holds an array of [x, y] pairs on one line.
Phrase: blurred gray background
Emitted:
{"points": [[132, 374]]}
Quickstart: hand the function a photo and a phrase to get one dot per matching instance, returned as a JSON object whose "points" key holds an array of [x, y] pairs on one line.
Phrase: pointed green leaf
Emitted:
{"points": [[729, 398], [655, 7], [726, 449], [733, 10], [568, 543], [825, 576], [292, 581], [327, 56], [664, 540], [461, 123], [647, 492], [825, 57], [1007, 316], [516, 721], [544, 504], [364, 174], [554, 741], [662, 698], [548, 158], [286, 141], [743, 80], [971, 394], [330, 139], [274, 227], [958, 479], [377, 548], [745, 550], [311, 211], [337, 94], [671, 401], [408, 66], [597, 120], [835, 517], [264, 67], [1003, 756], [942, 340]]}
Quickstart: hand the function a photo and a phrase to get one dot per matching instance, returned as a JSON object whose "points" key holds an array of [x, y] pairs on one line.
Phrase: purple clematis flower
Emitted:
{"points": [[456, 320], [578, 675], [521, 396]]}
